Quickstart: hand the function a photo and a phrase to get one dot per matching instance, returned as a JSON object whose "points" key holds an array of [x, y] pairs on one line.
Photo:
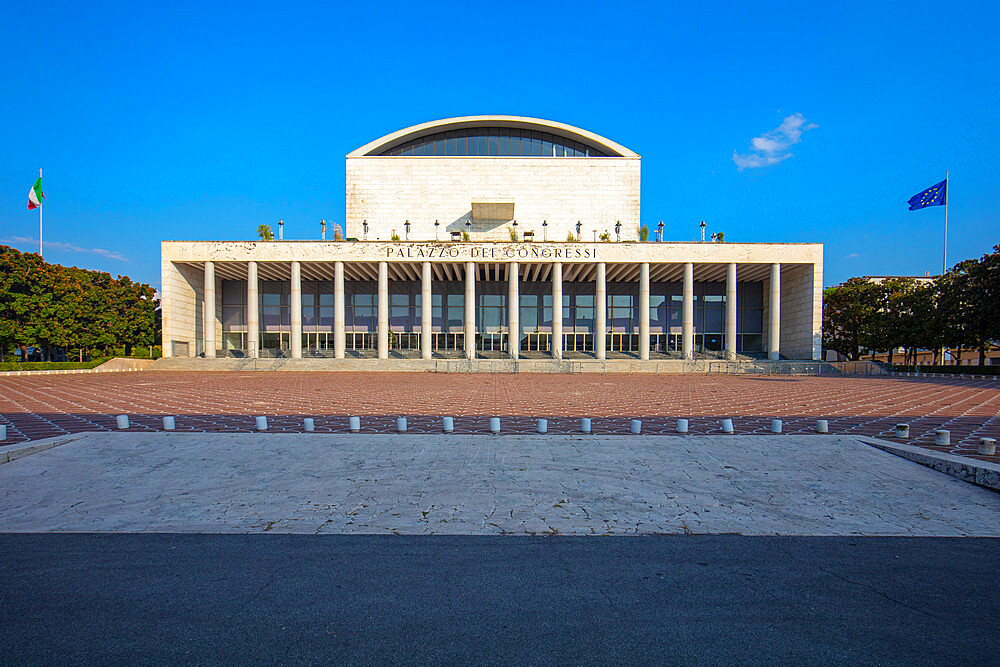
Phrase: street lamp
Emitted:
{"points": [[618, 230], [281, 230], [659, 230], [515, 230], [579, 226], [702, 225], [364, 228], [468, 227], [406, 226], [545, 230], [322, 230], [436, 225]]}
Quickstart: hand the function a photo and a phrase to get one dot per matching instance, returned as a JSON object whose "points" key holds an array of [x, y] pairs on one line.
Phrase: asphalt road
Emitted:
{"points": [[155, 598]]}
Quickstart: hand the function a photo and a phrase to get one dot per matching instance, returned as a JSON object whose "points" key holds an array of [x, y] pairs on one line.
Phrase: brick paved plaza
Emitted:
{"points": [[44, 406]]}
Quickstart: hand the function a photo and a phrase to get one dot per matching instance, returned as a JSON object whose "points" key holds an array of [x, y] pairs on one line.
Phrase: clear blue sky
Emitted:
{"points": [[197, 122]]}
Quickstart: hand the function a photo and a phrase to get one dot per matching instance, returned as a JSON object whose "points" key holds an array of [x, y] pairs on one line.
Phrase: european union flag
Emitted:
{"points": [[936, 195]]}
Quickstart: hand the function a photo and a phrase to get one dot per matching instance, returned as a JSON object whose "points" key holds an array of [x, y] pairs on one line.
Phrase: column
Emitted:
{"points": [[557, 321], [601, 312], [252, 305], [687, 313], [208, 321], [470, 310], [426, 311], [774, 314], [339, 337], [383, 310], [644, 310], [296, 310], [513, 312], [731, 311]]}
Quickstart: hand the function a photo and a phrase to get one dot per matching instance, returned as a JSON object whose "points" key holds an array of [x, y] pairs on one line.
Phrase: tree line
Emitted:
{"points": [[960, 309], [50, 305]]}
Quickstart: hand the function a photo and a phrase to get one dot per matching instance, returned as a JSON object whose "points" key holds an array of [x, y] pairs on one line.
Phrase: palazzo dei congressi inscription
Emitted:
{"points": [[491, 251]]}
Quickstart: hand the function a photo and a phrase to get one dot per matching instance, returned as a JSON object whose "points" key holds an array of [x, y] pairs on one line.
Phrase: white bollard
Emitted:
{"points": [[308, 424], [988, 446], [775, 426], [585, 425], [543, 426], [354, 424], [942, 437], [822, 426], [261, 423], [401, 424], [903, 431], [122, 421], [169, 424], [682, 426], [727, 426], [636, 426], [494, 425], [3, 432], [448, 424]]}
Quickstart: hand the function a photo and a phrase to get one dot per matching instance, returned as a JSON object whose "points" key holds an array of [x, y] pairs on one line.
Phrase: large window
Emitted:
{"points": [[495, 141]]}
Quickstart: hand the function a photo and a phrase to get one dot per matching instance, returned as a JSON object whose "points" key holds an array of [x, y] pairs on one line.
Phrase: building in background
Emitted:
{"points": [[463, 234]]}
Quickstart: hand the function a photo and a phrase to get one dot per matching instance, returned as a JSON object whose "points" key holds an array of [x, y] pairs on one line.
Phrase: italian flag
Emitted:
{"points": [[35, 195]]}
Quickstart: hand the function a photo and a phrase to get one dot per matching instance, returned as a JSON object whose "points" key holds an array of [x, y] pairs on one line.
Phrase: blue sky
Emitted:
{"points": [[196, 121]]}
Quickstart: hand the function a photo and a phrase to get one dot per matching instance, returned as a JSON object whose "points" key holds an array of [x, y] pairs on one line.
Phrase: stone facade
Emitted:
{"points": [[597, 192]]}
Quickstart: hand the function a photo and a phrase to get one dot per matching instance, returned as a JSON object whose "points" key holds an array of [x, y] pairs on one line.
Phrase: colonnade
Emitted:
{"points": [[513, 310]]}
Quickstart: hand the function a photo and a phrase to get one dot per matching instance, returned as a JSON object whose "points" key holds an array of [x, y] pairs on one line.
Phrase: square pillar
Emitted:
{"points": [[339, 337], [470, 310], [687, 313], [557, 321], [513, 312], [644, 310], [731, 311], [426, 310], [774, 314], [296, 310], [383, 310], [208, 321], [601, 311], [253, 303]]}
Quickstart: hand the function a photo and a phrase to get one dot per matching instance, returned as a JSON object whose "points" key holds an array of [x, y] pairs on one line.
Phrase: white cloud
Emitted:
{"points": [[772, 147], [852, 255], [68, 247]]}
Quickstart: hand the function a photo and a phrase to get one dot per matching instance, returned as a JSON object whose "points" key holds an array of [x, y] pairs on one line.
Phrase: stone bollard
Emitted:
{"points": [[543, 425], [987, 446], [494, 425], [682, 426], [903, 431], [636, 426], [775, 426], [942, 437], [169, 424], [3, 432], [822, 426], [308, 424], [727, 426], [122, 421], [585, 425], [448, 424], [261, 423], [354, 424], [401, 424]]}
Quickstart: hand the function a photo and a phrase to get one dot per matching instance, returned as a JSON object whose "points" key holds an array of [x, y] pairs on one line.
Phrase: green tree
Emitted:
{"points": [[265, 233], [849, 316]]}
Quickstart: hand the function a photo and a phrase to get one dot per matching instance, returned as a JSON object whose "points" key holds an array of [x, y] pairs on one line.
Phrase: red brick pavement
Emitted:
{"points": [[44, 406]]}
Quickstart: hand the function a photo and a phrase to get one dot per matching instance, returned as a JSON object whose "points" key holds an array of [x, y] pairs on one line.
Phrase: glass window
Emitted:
{"points": [[546, 144], [451, 150], [493, 145], [481, 141], [536, 143], [503, 143], [515, 142]]}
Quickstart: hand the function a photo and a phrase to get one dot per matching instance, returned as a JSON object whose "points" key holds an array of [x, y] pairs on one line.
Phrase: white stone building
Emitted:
{"points": [[491, 220]]}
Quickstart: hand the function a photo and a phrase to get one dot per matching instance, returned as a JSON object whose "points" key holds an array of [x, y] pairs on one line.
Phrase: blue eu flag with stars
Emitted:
{"points": [[936, 195]]}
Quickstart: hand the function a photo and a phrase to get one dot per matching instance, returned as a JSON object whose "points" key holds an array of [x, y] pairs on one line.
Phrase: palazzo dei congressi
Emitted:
{"points": [[461, 235]]}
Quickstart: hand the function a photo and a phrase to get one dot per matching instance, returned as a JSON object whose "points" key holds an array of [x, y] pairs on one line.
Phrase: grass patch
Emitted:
{"points": [[50, 365]]}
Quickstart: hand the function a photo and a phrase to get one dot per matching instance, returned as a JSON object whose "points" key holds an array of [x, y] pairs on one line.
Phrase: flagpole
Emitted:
{"points": [[40, 220], [947, 196]]}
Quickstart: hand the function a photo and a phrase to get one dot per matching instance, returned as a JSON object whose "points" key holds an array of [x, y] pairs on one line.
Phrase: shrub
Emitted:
{"points": [[513, 234], [570, 237], [643, 233]]}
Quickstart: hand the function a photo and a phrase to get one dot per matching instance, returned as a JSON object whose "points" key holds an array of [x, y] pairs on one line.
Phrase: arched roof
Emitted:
{"points": [[388, 142]]}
